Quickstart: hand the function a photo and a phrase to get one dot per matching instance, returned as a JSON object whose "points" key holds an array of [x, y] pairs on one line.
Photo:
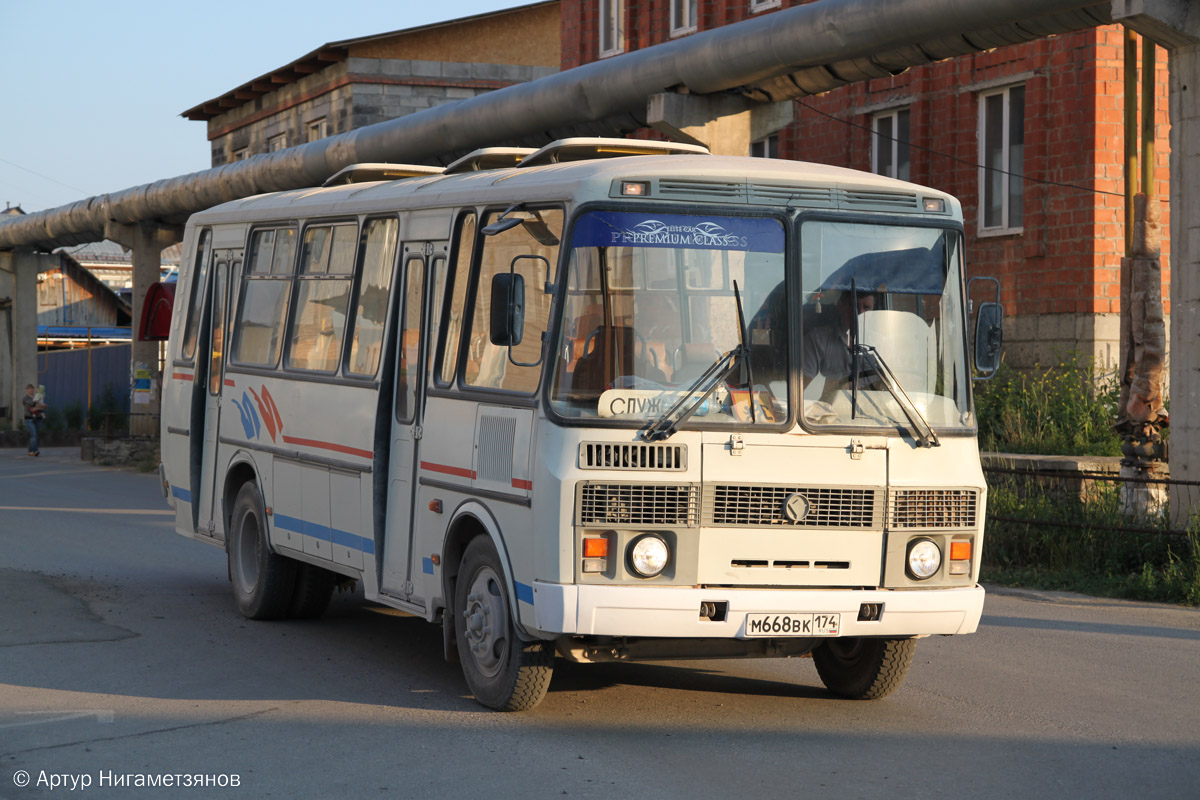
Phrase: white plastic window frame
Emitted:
{"points": [[1006, 226], [317, 129], [765, 148], [763, 5], [893, 143], [685, 17], [277, 142], [611, 27]]}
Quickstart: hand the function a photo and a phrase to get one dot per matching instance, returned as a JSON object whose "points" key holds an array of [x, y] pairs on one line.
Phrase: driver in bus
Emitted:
{"points": [[826, 349]]}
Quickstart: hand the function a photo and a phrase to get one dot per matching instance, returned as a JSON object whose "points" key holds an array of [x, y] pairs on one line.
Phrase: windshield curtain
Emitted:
{"points": [[650, 307], [898, 292]]}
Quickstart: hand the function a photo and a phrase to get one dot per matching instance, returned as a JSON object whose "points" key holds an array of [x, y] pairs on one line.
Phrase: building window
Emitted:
{"points": [[318, 129], [277, 142], [683, 17], [766, 148], [1001, 159], [762, 5], [612, 27], [241, 154], [889, 155]]}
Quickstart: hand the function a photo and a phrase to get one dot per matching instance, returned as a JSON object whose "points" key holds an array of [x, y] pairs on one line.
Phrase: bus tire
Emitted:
{"points": [[312, 592], [502, 671], [263, 581], [863, 669]]}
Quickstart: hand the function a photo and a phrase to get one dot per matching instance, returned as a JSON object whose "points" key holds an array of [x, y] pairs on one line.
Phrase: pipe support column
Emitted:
{"points": [[725, 124], [146, 241]]}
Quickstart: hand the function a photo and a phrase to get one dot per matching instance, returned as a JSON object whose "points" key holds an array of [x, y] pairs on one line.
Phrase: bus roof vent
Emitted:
{"points": [[489, 158], [881, 201], [808, 196], [583, 148], [364, 173], [682, 189]]}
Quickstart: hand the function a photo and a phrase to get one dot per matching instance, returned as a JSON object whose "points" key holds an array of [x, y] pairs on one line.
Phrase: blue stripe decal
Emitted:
{"points": [[326, 534], [524, 592], [182, 494], [427, 566]]}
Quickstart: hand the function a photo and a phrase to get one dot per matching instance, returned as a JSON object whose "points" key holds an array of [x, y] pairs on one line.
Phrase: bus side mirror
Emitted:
{"points": [[989, 338], [508, 309]]}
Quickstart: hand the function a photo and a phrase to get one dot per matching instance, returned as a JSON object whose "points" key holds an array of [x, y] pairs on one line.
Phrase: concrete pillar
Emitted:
{"points": [[146, 241], [18, 317], [725, 124], [1175, 24]]}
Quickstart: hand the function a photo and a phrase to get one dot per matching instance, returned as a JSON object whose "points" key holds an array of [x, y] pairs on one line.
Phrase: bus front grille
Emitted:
{"points": [[738, 505], [632, 456], [627, 504], [932, 508]]}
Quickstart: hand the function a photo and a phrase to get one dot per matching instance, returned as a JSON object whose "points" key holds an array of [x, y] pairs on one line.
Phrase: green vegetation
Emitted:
{"points": [[1074, 538], [1076, 545], [106, 414], [1065, 410]]}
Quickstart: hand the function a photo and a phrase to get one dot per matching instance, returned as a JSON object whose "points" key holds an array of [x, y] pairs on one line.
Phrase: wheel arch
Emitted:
{"points": [[241, 471]]}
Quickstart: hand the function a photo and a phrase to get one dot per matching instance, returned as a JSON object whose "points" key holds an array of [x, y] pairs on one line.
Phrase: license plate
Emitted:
{"points": [[793, 624]]}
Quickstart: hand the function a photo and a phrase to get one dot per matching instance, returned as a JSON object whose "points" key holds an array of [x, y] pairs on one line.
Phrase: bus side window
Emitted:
{"points": [[454, 310], [322, 297], [196, 296], [261, 314], [378, 251], [531, 250]]}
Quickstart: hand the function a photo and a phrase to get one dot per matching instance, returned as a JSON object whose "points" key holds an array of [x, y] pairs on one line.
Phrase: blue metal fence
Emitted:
{"points": [[64, 373]]}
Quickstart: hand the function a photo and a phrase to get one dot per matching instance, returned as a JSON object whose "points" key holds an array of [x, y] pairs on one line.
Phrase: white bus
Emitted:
{"points": [[607, 400]]}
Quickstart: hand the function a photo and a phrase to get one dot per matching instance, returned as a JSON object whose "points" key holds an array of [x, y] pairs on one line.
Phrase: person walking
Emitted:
{"points": [[35, 414]]}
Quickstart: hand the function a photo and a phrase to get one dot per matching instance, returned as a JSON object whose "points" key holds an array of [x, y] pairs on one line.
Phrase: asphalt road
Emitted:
{"points": [[123, 659]]}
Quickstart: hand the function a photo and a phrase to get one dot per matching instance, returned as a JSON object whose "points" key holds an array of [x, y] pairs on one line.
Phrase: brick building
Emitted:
{"points": [[1049, 110], [349, 84]]}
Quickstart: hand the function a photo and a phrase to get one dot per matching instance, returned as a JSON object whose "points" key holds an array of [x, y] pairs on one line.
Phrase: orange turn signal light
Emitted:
{"points": [[595, 548], [960, 551]]}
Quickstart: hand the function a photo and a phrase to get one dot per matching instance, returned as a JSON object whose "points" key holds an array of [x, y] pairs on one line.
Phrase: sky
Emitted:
{"points": [[91, 90]]}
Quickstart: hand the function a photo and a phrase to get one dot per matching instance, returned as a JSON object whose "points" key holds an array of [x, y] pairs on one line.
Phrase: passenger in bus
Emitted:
{"points": [[826, 347], [611, 353]]}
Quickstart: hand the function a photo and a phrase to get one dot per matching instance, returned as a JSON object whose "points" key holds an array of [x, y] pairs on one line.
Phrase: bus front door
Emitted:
{"points": [[208, 504], [396, 578]]}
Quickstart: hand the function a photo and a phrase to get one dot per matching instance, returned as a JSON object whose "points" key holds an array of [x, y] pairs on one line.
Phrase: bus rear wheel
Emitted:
{"points": [[864, 669], [502, 671], [263, 581]]}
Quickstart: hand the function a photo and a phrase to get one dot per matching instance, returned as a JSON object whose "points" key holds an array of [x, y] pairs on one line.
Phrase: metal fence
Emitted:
{"points": [[1092, 499]]}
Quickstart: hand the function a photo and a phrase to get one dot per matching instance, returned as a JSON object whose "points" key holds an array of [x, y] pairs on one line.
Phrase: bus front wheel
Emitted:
{"points": [[502, 671], [262, 581], [864, 669]]}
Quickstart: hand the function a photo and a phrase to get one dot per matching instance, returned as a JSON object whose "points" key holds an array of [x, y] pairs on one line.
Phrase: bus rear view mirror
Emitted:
{"points": [[989, 338], [508, 309]]}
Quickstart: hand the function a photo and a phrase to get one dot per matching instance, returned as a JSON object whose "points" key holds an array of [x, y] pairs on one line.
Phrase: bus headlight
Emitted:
{"points": [[648, 555], [924, 559]]}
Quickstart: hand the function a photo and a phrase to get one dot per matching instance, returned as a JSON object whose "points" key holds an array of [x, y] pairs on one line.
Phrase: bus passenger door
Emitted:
{"points": [[208, 502], [396, 579]]}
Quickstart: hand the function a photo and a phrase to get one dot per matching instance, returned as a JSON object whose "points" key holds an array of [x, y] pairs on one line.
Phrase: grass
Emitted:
{"points": [[1067, 409]]}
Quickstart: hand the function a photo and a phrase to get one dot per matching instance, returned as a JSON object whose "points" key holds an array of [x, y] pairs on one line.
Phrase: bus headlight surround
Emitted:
{"points": [[648, 555], [924, 559]]}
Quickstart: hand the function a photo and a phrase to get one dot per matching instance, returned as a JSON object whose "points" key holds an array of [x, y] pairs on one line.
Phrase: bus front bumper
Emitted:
{"points": [[644, 611]]}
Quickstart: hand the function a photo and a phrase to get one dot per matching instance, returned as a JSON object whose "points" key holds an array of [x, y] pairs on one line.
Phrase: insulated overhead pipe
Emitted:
{"points": [[786, 54]]}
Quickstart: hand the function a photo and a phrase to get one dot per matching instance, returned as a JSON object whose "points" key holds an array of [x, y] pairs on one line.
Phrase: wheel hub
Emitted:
{"points": [[486, 622]]}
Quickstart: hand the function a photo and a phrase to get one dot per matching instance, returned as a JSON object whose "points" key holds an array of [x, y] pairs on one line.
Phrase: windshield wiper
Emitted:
{"points": [[716, 374], [922, 431]]}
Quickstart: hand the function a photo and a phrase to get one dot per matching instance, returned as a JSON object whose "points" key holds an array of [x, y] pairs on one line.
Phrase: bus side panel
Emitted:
{"points": [[177, 383]]}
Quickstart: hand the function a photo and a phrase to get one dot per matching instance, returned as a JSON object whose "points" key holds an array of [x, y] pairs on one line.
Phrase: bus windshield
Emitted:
{"points": [[651, 306], [882, 325]]}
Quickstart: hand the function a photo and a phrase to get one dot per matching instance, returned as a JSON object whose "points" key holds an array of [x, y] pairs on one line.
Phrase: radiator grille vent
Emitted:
{"points": [[496, 435], [932, 508], [728, 191], [609, 455], [638, 504], [898, 201], [748, 506]]}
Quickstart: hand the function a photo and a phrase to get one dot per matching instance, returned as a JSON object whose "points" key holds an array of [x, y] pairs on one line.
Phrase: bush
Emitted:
{"points": [[1068, 409], [72, 416], [106, 414]]}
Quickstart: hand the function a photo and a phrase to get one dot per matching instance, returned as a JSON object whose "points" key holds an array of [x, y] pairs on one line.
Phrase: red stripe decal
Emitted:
{"points": [[445, 470], [337, 448], [229, 383], [182, 376], [520, 484]]}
